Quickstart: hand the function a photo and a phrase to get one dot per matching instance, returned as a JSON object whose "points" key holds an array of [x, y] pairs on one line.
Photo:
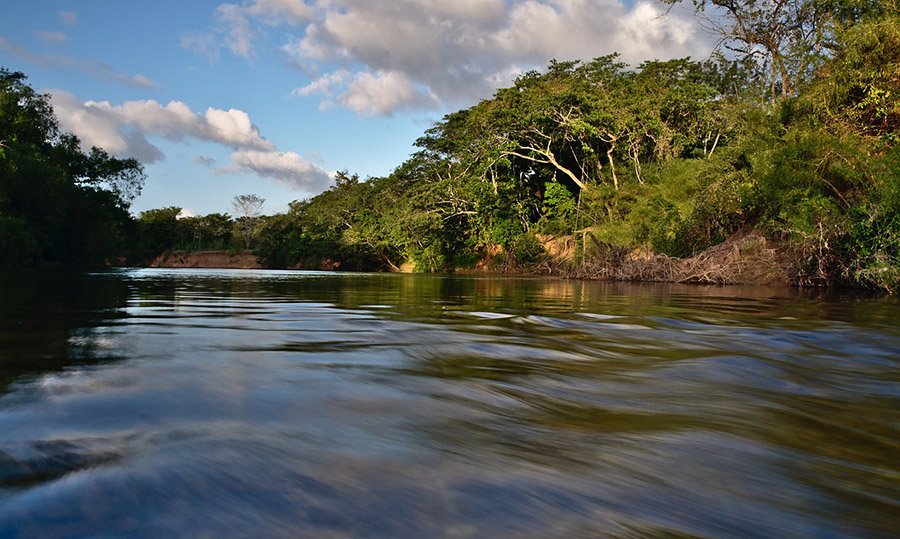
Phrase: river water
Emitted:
{"points": [[157, 403]]}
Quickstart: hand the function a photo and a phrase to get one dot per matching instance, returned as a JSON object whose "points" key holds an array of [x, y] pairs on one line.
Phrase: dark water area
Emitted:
{"points": [[156, 403]]}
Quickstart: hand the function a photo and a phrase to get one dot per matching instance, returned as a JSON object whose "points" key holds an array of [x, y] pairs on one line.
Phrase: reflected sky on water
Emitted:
{"points": [[230, 403]]}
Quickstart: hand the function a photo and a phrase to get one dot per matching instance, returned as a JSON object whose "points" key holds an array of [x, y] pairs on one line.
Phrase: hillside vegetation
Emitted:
{"points": [[672, 157]]}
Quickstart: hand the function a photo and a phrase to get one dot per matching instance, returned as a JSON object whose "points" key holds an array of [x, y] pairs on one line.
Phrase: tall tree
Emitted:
{"points": [[784, 40], [248, 209]]}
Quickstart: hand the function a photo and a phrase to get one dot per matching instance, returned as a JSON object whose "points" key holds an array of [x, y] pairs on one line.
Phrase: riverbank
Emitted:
{"points": [[206, 259], [743, 259]]}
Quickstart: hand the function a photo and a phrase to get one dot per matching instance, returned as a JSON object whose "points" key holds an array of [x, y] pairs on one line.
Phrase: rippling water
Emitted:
{"points": [[235, 403]]}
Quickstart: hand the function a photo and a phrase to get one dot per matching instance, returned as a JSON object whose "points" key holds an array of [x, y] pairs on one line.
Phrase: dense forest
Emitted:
{"points": [[790, 132], [58, 205]]}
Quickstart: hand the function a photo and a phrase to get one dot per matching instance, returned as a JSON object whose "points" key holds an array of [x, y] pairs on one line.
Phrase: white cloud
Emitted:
{"points": [[52, 37], [238, 32], [440, 54], [236, 25], [285, 167], [174, 121], [233, 128], [69, 17], [276, 12], [383, 93], [584, 29], [185, 213], [325, 85], [92, 67], [99, 126], [646, 28], [123, 130]]}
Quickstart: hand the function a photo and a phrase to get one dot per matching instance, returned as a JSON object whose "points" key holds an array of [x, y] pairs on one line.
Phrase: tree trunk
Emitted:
{"points": [[637, 164], [715, 143], [612, 167]]}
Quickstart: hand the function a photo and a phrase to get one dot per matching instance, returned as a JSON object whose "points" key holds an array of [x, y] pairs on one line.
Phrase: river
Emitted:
{"points": [[229, 403]]}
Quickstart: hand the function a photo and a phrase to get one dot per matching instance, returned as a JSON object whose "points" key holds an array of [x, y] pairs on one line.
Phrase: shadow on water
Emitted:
{"points": [[49, 320], [189, 402]]}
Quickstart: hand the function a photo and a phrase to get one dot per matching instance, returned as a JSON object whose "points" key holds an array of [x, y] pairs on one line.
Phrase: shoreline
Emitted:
{"points": [[207, 260], [748, 259]]}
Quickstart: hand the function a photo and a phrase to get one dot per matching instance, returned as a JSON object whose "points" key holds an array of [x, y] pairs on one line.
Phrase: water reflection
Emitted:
{"points": [[50, 319], [188, 402]]}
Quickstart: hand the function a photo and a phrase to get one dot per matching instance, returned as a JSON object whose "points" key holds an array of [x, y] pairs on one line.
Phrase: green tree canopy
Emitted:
{"points": [[57, 203]]}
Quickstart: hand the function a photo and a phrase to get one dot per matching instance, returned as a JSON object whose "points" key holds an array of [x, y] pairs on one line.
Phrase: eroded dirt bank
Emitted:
{"points": [[742, 259], [746, 259], [206, 259]]}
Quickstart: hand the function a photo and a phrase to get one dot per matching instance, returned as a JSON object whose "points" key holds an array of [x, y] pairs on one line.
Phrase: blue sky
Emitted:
{"points": [[272, 96]]}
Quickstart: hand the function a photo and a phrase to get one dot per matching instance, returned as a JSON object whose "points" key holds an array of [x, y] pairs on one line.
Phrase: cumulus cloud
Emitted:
{"points": [[233, 128], [125, 129], [325, 85], [69, 17], [52, 37], [569, 29], [285, 167], [92, 67], [379, 93], [439, 53], [96, 126], [463, 50], [383, 93]]}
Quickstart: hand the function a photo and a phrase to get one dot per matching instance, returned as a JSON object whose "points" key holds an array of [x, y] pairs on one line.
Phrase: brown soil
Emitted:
{"points": [[560, 248], [745, 258], [206, 259]]}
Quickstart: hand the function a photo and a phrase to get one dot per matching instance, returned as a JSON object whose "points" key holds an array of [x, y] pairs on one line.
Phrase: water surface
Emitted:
{"points": [[152, 403]]}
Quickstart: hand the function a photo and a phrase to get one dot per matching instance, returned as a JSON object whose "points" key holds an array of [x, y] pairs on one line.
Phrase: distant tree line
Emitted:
{"points": [[169, 229]]}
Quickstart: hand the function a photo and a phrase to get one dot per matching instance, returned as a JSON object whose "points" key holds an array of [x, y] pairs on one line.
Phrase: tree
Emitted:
{"points": [[784, 40], [859, 87], [57, 203], [159, 231], [215, 230], [248, 209]]}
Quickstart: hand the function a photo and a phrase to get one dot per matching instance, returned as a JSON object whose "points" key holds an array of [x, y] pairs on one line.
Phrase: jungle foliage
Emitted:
{"points": [[791, 133], [58, 204], [796, 139]]}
